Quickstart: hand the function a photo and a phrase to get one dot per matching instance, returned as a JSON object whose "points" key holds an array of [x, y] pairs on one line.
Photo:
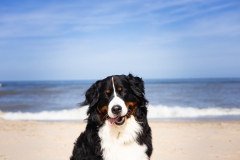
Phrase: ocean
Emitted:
{"points": [[169, 99]]}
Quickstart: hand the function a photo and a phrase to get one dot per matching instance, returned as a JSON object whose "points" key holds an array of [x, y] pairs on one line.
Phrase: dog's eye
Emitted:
{"points": [[108, 91]]}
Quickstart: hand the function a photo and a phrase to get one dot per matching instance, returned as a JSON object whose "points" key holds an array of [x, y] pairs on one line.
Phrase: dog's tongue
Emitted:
{"points": [[112, 121]]}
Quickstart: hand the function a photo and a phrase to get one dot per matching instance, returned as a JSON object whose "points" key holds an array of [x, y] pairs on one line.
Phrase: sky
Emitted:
{"points": [[74, 40]]}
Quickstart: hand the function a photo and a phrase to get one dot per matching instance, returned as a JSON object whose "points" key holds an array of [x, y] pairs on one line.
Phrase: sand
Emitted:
{"points": [[207, 140]]}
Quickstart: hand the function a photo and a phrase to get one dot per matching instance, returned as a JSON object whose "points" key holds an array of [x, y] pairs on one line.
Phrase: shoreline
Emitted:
{"points": [[172, 140], [193, 119]]}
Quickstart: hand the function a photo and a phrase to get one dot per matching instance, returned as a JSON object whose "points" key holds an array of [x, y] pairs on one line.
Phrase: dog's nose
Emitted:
{"points": [[116, 109]]}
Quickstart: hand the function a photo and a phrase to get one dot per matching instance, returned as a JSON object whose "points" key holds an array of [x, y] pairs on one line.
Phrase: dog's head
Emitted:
{"points": [[115, 99]]}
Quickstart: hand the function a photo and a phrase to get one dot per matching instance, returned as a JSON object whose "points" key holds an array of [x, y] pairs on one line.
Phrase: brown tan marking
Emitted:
{"points": [[131, 106], [108, 91], [119, 88], [102, 112]]}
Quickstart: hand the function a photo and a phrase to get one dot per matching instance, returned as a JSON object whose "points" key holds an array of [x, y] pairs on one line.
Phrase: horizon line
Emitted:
{"points": [[195, 78]]}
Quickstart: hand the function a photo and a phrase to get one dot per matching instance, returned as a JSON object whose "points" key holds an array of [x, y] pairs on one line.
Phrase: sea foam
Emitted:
{"points": [[154, 112]]}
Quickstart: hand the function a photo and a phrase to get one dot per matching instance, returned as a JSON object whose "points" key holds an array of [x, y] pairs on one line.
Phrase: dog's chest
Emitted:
{"points": [[119, 143]]}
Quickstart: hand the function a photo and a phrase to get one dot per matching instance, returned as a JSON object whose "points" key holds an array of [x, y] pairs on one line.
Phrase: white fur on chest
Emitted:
{"points": [[119, 143]]}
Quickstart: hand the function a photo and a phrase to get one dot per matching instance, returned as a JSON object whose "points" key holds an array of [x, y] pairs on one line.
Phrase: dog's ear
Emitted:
{"points": [[137, 85], [92, 95]]}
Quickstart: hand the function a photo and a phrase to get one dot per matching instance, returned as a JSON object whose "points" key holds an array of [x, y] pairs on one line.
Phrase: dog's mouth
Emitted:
{"points": [[118, 121]]}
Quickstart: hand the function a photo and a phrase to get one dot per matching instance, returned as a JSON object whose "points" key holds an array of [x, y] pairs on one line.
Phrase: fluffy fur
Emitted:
{"points": [[117, 126]]}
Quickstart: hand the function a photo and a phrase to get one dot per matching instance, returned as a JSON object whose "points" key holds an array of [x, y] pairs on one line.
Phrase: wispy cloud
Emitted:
{"points": [[61, 19]]}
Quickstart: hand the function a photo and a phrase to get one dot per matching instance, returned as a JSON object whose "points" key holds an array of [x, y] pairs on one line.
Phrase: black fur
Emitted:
{"points": [[87, 146]]}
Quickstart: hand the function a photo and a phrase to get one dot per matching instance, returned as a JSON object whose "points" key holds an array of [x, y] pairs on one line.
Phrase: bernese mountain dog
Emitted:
{"points": [[117, 126]]}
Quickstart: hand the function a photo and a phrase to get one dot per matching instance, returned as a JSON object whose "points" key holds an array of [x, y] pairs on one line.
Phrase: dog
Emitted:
{"points": [[117, 126]]}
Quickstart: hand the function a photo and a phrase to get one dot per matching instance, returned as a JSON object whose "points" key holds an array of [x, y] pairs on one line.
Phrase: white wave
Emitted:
{"points": [[189, 112], [153, 112], [63, 115]]}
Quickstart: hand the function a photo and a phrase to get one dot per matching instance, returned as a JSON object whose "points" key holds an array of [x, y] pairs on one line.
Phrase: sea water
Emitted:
{"points": [[169, 99]]}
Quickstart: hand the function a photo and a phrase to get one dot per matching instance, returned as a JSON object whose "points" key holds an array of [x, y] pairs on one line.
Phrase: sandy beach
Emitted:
{"points": [[207, 140]]}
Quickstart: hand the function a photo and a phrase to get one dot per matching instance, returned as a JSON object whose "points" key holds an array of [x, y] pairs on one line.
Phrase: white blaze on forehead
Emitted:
{"points": [[116, 101], [115, 95]]}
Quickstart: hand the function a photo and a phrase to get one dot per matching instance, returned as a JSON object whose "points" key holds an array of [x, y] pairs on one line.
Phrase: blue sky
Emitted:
{"points": [[70, 40]]}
